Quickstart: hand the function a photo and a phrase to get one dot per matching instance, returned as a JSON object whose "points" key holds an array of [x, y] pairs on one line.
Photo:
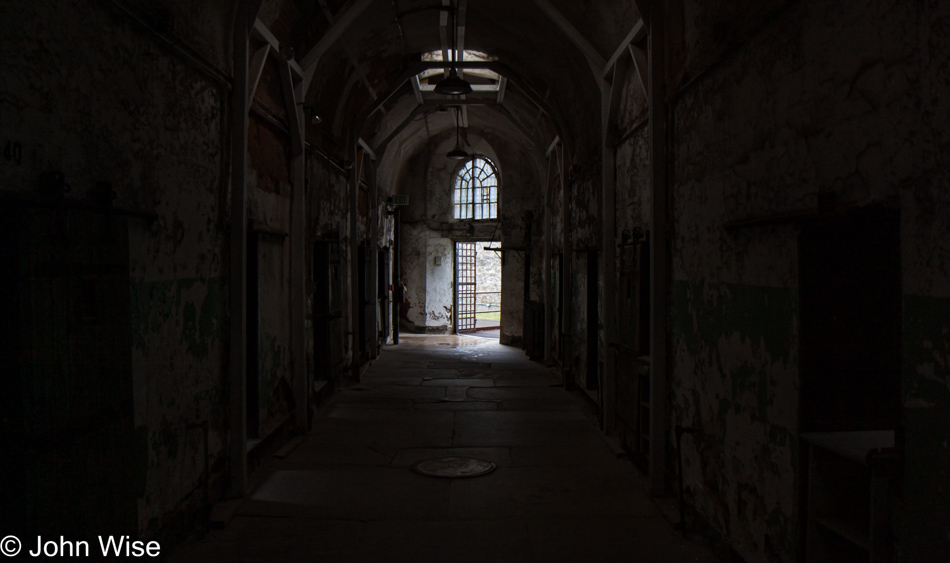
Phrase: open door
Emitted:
{"points": [[465, 287]]}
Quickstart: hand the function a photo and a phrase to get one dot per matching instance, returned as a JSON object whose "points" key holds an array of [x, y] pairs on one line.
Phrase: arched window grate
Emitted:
{"points": [[476, 191]]}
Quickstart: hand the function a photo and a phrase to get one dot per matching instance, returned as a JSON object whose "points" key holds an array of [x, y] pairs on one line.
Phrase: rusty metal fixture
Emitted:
{"points": [[453, 84]]}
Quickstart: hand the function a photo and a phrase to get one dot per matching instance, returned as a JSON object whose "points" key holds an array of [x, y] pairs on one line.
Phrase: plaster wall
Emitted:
{"points": [[821, 99], [440, 279], [88, 93], [924, 180]]}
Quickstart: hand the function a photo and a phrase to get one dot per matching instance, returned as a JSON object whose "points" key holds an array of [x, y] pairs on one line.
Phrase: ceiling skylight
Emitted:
{"points": [[465, 56]]}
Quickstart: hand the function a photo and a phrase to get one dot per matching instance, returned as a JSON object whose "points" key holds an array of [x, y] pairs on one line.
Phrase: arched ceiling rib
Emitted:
{"points": [[546, 48]]}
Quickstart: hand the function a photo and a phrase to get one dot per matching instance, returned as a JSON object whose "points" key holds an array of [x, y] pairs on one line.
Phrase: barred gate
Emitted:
{"points": [[465, 283]]}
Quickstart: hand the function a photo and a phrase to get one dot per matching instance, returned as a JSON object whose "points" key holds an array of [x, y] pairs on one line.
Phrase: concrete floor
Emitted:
{"points": [[347, 492]]}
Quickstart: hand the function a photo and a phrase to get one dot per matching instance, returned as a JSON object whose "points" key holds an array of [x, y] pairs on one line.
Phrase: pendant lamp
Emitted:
{"points": [[458, 153], [453, 84]]}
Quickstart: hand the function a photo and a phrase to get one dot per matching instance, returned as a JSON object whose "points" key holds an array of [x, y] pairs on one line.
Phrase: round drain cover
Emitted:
{"points": [[454, 467]]}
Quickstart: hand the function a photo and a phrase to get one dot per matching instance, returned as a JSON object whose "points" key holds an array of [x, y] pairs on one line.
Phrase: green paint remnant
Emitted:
{"points": [[702, 313], [740, 340], [159, 304], [926, 351], [924, 530]]}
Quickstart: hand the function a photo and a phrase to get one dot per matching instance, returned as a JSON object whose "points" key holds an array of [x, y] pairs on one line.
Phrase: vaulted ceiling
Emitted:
{"points": [[549, 56]]}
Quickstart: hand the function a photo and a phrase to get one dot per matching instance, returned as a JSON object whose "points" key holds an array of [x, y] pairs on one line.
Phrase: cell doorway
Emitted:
{"points": [[478, 288]]}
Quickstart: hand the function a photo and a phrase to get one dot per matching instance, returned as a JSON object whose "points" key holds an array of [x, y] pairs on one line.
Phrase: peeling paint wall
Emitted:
{"points": [[821, 98], [89, 93], [328, 211], [268, 211], [584, 220], [440, 279], [924, 525]]}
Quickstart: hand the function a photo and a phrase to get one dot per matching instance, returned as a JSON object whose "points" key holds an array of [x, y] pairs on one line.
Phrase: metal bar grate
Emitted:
{"points": [[465, 283]]}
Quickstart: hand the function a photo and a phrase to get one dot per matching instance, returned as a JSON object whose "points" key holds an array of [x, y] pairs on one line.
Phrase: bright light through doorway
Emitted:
{"points": [[478, 287]]}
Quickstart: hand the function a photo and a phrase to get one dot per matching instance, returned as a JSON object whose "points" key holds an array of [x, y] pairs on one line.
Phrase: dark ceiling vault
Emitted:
{"points": [[359, 61]]}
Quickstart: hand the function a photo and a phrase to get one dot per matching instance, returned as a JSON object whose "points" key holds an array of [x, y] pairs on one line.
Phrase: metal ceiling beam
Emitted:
{"points": [[265, 34], [381, 147], [595, 59], [502, 83], [462, 13], [476, 88], [416, 89], [450, 102], [370, 152], [255, 69], [349, 52], [415, 68], [502, 69], [636, 34], [640, 65], [350, 12]]}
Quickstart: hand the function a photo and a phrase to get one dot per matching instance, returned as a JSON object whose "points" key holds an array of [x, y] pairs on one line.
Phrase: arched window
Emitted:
{"points": [[476, 191]]}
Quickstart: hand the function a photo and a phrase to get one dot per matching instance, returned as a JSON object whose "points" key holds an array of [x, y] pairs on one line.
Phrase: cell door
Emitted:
{"points": [[465, 284]]}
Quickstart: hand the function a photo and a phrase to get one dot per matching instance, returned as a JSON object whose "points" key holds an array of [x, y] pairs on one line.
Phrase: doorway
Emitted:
{"points": [[850, 303], [478, 287]]}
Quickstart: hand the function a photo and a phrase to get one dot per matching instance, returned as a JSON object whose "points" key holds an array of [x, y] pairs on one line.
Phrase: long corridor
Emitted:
{"points": [[348, 493]]}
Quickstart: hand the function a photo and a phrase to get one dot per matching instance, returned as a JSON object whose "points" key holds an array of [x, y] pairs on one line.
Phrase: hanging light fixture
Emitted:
{"points": [[458, 153], [453, 84]]}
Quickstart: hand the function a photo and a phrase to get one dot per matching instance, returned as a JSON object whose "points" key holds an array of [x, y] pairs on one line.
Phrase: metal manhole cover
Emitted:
{"points": [[454, 467]]}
